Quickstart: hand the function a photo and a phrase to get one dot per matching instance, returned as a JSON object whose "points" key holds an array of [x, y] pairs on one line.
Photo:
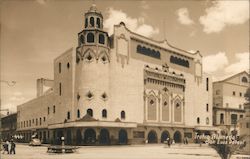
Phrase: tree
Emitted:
{"points": [[247, 95]]}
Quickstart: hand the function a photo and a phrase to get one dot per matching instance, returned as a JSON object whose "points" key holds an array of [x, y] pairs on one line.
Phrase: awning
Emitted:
{"points": [[206, 128], [94, 124]]}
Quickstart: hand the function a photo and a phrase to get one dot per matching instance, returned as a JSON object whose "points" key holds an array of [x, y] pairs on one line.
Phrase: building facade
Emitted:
{"points": [[8, 126], [120, 89], [229, 100]]}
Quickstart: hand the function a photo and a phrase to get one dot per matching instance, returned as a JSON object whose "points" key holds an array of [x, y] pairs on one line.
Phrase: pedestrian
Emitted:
{"points": [[169, 142], [186, 140], [12, 147], [7, 146]]}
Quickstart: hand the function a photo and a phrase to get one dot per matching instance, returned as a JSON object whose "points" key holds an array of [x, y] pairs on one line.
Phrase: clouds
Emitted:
{"points": [[242, 63], [183, 16], [218, 65], [215, 62], [224, 13], [135, 24]]}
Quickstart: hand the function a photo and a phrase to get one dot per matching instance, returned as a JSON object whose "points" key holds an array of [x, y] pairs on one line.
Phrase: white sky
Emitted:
{"points": [[34, 32]]}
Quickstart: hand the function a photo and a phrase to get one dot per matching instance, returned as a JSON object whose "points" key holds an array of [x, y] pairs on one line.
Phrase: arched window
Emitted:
{"points": [[244, 79], [90, 38], [198, 120], [92, 21], [123, 115], [207, 120], [98, 23], [207, 107], [101, 39], [86, 22], [78, 113], [90, 112], [104, 113]]}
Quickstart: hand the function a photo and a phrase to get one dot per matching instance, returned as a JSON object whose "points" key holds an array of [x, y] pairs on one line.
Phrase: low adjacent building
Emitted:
{"points": [[8, 126], [229, 100]]}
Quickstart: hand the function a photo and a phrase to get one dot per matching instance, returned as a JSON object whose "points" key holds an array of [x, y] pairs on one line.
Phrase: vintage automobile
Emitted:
{"points": [[35, 142]]}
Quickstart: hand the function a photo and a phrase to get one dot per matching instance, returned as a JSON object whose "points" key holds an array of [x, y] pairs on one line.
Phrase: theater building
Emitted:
{"points": [[119, 89], [229, 100]]}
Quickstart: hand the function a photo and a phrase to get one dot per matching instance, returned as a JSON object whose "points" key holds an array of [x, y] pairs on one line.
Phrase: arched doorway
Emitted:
{"points": [[78, 137], [123, 136], [89, 136], [152, 137], [164, 136], [177, 137], [104, 137], [68, 137]]}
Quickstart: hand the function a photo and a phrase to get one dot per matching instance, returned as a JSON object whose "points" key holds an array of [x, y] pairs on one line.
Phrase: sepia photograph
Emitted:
{"points": [[124, 79]]}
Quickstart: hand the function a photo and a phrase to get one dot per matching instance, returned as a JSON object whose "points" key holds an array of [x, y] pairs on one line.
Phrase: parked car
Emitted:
{"points": [[35, 142]]}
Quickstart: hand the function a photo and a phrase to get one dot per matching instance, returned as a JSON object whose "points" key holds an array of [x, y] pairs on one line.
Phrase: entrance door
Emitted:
{"points": [[89, 136], [104, 137], [152, 137], [123, 137], [78, 137], [164, 136], [177, 137], [68, 137]]}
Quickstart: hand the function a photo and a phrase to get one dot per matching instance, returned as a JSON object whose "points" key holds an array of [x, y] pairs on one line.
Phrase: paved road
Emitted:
{"points": [[118, 152]]}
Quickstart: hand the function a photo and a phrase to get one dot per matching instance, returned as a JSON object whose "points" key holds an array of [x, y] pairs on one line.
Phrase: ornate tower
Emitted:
{"points": [[92, 65]]}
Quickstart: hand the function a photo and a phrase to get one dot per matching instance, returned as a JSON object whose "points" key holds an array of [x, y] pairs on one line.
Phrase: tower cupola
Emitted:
{"points": [[93, 18]]}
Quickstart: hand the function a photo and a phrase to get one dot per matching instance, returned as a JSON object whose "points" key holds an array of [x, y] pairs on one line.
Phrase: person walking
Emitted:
{"points": [[12, 147], [5, 148]]}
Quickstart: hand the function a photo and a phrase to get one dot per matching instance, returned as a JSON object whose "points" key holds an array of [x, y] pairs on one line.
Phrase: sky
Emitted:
{"points": [[34, 32]]}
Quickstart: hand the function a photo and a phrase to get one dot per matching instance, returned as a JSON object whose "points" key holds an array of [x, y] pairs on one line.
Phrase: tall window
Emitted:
{"points": [[48, 110], [221, 118], [207, 120], [60, 89], [60, 67], [234, 93], [90, 112], [98, 23], [92, 21], [54, 109], [198, 120], [207, 84], [90, 38], [36, 121], [123, 115], [78, 113], [104, 113], [40, 121], [207, 107], [101, 39], [86, 22], [68, 115]]}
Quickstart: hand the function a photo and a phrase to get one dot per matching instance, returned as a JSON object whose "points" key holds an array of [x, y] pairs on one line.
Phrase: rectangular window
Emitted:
{"points": [[233, 118], [248, 125], [207, 107], [241, 116], [44, 119], [240, 94], [60, 89], [221, 118], [48, 110], [36, 122], [207, 84], [234, 93], [40, 121]]}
